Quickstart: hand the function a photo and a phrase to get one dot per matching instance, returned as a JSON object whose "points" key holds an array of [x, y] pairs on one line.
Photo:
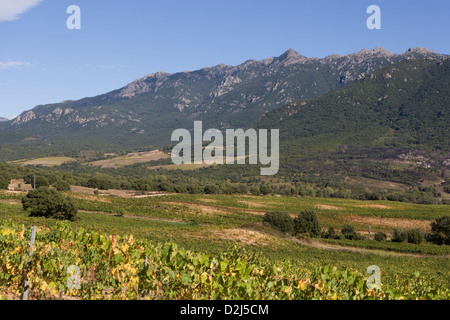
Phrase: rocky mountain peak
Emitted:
{"points": [[420, 50], [290, 57], [383, 51], [2, 119], [377, 51]]}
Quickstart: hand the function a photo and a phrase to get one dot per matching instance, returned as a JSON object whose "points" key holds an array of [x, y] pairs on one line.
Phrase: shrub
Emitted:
{"points": [[415, 236], [349, 233], [212, 189], [279, 220], [330, 234], [380, 236], [102, 183], [194, 189], [45, 202], [265, 190], [307, 222], [399, 235], [255, 191], [120, 213]]}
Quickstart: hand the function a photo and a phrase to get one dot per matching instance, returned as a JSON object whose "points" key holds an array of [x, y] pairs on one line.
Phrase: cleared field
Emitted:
{"points": [[46, 162], [81, 192], [375, 185], [181, 166], [190, 166], [130, 159]]}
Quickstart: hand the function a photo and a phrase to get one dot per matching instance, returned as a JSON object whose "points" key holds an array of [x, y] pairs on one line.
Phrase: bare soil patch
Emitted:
{"points": [[336, 247], [9, 201], [46, 162], [19, 185], [249, 237], [327, 207], [389, 222], [211, 209], [253, 204], [376, 206], [113, 193], [130, 159], [208, 200], [132, 216], [199, 208]]}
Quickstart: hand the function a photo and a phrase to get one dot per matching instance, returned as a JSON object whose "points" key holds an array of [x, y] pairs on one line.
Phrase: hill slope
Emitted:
{"points": [[402, 105], [145, 112]]}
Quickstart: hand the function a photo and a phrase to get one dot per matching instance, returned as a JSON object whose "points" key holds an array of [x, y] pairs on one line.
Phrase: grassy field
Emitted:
{"points": [[46, 162], [130, 159], [188, 166], [212, 224]]}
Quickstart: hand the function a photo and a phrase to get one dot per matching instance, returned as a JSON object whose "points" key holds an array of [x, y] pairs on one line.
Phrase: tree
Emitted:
{"points": [[330, 234], [441, 225], [41, 181], [4, 182], [307, 222], [265, 190], [48, 203], [62, 185], [211, 189], [279, 220], [440, 231]]}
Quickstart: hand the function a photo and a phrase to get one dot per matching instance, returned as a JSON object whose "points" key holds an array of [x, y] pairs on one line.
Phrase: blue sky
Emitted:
{"points": [[42, 61]]}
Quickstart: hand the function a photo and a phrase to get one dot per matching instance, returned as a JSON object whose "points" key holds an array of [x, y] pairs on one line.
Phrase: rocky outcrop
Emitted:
{"points": [[24, 118]]}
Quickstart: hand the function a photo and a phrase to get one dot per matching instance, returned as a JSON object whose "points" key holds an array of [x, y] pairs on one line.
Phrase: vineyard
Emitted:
{"points": [[125, 267]]}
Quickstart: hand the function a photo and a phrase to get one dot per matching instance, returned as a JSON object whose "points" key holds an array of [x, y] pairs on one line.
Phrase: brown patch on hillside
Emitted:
{"points": [[19, 185], [389, 222], [327, 207], [249, 237], [113, 193], [253, 204], [376, 206], [199, 208], [208, 200], [211, 209], [10, 201], [131, 158]]}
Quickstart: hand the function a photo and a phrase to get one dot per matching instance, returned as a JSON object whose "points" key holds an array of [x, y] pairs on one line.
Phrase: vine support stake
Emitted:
{"points": [[27, 283]]}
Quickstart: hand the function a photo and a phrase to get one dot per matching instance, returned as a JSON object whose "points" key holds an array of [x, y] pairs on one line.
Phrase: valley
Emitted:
{"points": [[363, 147]]}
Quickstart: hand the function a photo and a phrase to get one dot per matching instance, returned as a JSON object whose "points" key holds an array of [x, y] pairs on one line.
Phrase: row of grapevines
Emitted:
{"points": [[113, 267]]}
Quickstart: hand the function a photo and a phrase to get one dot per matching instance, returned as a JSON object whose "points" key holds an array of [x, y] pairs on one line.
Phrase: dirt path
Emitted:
{"points": [[132, 216], [78, 191], [334, 247], [208, 209], [10, 201]]}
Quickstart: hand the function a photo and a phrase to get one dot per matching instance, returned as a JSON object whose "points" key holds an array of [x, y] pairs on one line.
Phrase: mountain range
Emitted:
{"points": [[144, 113], [404, 105]]}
